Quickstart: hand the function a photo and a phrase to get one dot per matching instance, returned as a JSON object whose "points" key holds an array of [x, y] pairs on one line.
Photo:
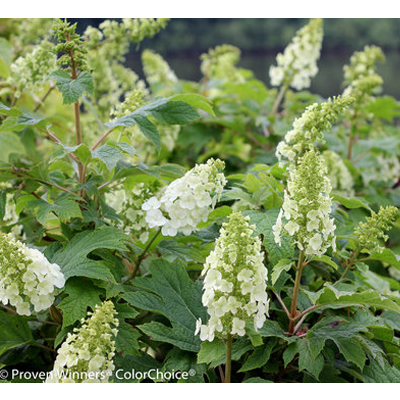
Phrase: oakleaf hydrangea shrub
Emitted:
{"points": [[155, 229]]}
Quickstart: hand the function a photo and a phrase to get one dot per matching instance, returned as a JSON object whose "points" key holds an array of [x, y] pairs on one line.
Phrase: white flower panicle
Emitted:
{"points": [[187, 201], [340, 177], [27, 279], [298, 63], [235, 282], [128, 205], [87, 354], [363, 64], [309, 128], [385, 169], [157, 70], [31, 71], [305, 213]]}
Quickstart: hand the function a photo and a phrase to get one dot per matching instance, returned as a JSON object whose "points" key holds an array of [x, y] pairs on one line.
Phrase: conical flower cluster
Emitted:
{"points": [[363, 64], [157, 70], [235, 282], [87, 354], [305, 213], [340, 177], [187, 201], [309, 128], [298, 63], [372, 231], [27, 280]]}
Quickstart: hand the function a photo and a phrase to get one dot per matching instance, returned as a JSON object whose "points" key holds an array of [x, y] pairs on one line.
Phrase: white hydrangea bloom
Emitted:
{"points": [[128, 205], [340, 177], [27, 279], [87, 354], [235, 282], [385, 168], [305, 213], [187, 201], [298, 63]]}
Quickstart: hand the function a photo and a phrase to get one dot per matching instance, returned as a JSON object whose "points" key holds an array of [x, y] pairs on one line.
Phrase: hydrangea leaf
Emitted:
{"points": [[10, 143], [81, 295], [64, 207], [283, 265], [375, 373], [307, 361], [73, 89], [171, 293], [126, 341], [5, 110], [172, 249], [140, 363], [73, 258], [331, 297], [166, 110], [353, 202], [213, 353], [259, 356], [109, 155], [14, 331]]}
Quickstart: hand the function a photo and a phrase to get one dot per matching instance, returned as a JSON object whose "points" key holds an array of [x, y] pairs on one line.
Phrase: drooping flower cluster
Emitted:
{"points": [[340, 177], [363, 64], [220, 63], [305, 213], [298, 63], [117, 35], [235, 282], [128, 205], [157, 70], [372, 231], [362, 82], [27, 279], [309, 128], [31, 71], [28, 32], [187, 201], [87, 354]]}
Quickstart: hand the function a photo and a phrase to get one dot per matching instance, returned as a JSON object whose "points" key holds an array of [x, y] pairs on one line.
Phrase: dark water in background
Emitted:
{"points": [[327, 83]]}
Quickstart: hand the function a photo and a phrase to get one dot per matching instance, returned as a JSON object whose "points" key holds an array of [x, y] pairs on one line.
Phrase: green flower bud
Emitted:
{"points": [[370, 232]]}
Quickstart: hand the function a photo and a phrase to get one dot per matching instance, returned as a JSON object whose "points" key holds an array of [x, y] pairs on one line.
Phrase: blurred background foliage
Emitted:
{"points": [[184, 40], [260, 39]]}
